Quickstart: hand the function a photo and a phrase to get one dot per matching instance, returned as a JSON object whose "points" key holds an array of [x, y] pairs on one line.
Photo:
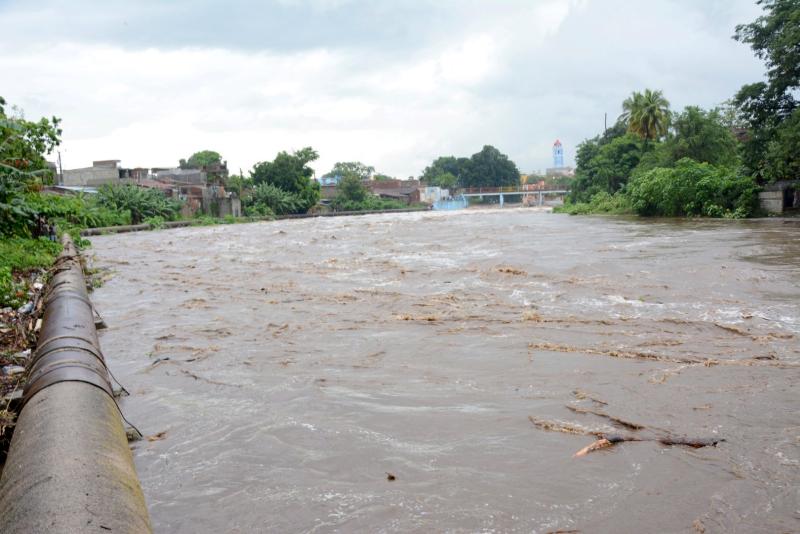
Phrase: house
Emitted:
{"points": [[328, 180], [182, 176], [394, 189], [101, 172]]}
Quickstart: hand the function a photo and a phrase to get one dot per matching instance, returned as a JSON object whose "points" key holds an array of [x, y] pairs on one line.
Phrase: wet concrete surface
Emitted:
{"points": [[294, 365]]}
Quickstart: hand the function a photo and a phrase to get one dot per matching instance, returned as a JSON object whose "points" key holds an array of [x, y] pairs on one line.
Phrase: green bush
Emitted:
{"points": [[267, 199], [204, 220], [140, 202], [155, 223], [599, 203], [370, 203], [82, 211], [693, 189]]}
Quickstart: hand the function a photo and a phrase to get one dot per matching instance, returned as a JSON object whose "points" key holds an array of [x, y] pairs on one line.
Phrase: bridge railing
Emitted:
{"points": [[525, 188]]}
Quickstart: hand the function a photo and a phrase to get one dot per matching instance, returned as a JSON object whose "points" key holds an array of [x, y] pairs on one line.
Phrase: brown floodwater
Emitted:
{"points": [[284, 370]]}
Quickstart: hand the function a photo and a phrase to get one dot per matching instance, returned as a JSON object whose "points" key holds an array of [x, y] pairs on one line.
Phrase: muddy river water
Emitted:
{"points": [[436, 372]]}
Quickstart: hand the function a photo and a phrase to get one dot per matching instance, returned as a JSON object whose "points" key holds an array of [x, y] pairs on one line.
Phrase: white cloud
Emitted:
{"points": [[516, 75]]}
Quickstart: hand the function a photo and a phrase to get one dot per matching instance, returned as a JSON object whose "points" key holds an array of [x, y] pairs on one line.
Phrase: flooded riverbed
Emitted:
{"points": [[294, 366]]}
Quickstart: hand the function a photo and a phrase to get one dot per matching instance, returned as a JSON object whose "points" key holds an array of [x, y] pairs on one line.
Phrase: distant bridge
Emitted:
{"points": [[525, 191]]}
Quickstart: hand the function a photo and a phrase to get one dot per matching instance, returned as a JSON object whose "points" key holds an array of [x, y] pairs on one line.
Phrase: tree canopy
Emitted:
{"points": [[351, 189], [344, 169], [487, 168], [23, 147], [445, 180], [766, 106], [605, 164], [204, 158], [291, 173], [24, 144], [703, 136], [646, 114], [444, 165]]}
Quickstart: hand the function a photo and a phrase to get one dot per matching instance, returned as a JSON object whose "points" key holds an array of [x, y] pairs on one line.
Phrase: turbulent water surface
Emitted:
{"points": [[285, 370]]}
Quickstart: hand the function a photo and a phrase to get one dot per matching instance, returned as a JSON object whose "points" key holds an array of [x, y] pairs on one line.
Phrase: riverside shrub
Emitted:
{"points": [[693, 189]]}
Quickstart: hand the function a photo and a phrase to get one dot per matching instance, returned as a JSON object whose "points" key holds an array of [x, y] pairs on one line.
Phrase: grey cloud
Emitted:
{"points": [[551, 79], [237, 24]]}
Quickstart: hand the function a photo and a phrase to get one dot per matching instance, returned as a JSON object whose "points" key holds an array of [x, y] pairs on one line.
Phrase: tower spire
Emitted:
{"points": [[558, 155]]}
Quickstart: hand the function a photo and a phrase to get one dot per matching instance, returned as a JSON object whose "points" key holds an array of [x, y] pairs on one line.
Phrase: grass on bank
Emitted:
{"points": [[19, 255]]}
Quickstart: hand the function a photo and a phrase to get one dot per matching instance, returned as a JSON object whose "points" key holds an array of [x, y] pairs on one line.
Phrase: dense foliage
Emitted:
{"points": [[693, 189], [690, 171], [490, 168], [487, 168], [344, 169], [646, 114], [139, 202], [691, 163], [352, 195], [291, 173], [76, 211], [604, 164], [265, 200], [198, 160], [23, 167], [444, 180], [444, 165], [768, 109]]}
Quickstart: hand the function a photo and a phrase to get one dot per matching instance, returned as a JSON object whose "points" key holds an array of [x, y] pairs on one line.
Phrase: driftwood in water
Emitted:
{"points": [[616, 420], [610, 440], [606, 440]]}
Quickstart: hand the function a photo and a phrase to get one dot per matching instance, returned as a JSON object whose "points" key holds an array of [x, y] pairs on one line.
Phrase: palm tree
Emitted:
{"points": [[647, 114]]}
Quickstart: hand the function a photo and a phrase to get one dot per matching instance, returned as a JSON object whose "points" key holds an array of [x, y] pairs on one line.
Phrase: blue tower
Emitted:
{"points": [[558, 155]]}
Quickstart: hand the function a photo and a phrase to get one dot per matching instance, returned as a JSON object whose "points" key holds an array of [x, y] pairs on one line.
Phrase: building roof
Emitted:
{"points": [[557, 143], [154, 184]]}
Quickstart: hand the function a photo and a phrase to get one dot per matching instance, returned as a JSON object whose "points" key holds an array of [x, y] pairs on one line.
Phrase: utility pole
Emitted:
{"points": [[60, 170], [605, 122]]}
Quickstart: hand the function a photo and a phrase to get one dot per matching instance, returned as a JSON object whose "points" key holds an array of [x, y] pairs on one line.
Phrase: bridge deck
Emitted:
{"points": [[490, 193]]}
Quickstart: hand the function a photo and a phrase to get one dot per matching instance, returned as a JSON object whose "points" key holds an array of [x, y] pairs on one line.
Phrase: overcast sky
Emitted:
{"points": [[391, 83]]}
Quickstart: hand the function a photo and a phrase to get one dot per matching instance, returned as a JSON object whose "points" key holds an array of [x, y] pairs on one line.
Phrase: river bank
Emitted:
{"points": [[288, 367]]}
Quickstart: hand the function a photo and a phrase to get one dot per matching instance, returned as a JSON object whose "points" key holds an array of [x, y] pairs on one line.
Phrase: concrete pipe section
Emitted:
{"points": [[69, 468]]}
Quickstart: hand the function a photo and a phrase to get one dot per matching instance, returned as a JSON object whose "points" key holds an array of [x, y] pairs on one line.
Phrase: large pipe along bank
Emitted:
{"points": [[69, 468]]}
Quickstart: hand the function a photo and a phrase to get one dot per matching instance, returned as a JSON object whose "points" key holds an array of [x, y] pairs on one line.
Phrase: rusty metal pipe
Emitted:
{"points": [[69, 468]]}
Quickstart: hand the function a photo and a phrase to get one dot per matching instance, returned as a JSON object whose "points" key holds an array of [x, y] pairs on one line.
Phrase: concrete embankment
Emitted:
{"points": [[177, 224], [69, 468]]}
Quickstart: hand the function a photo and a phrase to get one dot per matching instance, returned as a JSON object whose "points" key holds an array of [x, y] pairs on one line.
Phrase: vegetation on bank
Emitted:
{"points": [[23, 168], [700, 162], [487, 168]]}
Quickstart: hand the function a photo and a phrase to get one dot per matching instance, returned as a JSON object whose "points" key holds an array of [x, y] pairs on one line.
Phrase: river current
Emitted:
{"points": [[436, 372]]}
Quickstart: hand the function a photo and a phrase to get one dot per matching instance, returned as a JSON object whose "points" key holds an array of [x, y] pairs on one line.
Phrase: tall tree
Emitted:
{"points": [[605, 166], [490, 168], [445, 180], [198, 160], [23, 147], [647, 114], [444, 165], [291, 173], [702, 136], [344, 169], [351, 189], [775, 38]]}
